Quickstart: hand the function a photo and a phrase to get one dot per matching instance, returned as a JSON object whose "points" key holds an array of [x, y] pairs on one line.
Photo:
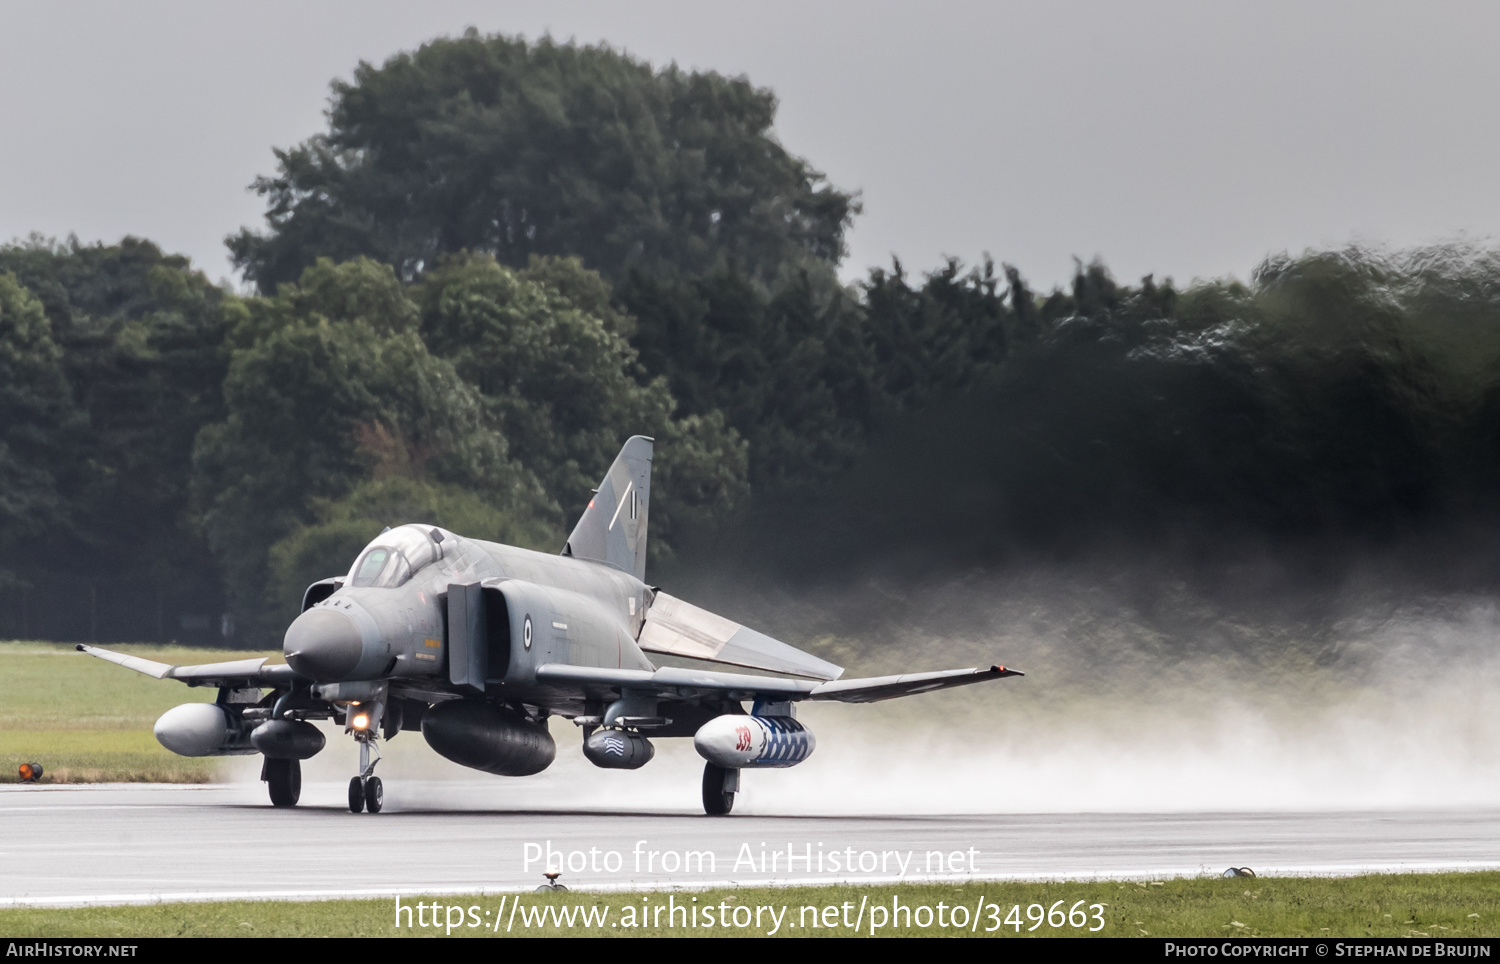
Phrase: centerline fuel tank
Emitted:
{"points": [[488, 737]]}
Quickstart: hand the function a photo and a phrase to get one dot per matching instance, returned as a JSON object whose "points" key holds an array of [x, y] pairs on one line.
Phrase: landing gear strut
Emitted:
{"points": [[365, 790], [719, 786], [284, 779]]}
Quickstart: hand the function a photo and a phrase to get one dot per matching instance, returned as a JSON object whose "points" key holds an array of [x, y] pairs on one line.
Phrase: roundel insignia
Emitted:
{"points": [[526, 633]]}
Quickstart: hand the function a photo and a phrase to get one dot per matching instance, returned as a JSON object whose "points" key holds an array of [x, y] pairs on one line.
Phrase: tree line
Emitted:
{"points": [[503, 258]]}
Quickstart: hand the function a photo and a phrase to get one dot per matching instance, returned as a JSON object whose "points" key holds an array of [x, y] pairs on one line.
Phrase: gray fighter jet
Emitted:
{"points": [[477, 644]]}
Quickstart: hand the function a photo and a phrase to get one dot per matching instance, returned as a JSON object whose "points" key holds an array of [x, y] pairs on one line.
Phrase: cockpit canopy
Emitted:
{"points": [[395, 556]]}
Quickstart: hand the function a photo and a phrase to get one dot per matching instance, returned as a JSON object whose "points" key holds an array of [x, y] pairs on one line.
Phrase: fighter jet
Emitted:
{"points": [[477, 644]]}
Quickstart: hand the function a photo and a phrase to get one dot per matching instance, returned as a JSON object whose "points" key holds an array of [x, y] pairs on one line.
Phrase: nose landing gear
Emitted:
{"points": [[365, 790]]}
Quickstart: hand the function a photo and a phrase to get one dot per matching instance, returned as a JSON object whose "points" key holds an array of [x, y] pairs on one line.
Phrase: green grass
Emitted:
{"points": [[89, 721], [1388, 905]]}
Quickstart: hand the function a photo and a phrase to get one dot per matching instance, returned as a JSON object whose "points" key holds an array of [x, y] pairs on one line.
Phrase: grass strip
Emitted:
{"points": [[89, 721], [1438, 906]]}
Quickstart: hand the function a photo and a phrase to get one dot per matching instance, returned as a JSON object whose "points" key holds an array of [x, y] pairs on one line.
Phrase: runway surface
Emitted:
{"points": [[142, 843]]}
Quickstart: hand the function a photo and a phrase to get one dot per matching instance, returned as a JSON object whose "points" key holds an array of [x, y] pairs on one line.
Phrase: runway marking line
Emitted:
{"points": [[485, 890]]}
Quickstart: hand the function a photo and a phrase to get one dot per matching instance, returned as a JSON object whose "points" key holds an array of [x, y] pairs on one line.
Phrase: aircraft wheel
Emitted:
{"points": [[374, 795], [356, 795], [284, 780], [717, 801]]}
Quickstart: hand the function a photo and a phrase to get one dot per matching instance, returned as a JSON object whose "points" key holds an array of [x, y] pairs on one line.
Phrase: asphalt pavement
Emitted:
{"points": [[133, 843]]}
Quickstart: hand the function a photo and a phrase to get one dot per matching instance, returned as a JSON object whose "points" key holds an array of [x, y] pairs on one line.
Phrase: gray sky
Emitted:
{"points": [[1185, 139]]}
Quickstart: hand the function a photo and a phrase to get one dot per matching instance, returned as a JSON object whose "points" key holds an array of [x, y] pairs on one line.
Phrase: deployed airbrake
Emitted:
{"points": [[476, 644]]}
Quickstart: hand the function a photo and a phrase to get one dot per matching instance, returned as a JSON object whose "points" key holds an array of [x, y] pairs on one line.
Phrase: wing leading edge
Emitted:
{"points": [[689, 683], [668, 681], [239, 672]]}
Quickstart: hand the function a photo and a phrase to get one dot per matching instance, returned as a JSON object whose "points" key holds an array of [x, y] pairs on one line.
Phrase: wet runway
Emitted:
{"points": [[71, 845]]}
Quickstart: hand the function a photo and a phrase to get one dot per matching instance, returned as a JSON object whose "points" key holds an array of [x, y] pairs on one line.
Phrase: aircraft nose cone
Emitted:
{"points": [[323, 644]]}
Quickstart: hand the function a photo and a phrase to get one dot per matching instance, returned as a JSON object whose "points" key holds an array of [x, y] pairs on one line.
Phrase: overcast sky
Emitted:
{"points": [[1185, 139]]}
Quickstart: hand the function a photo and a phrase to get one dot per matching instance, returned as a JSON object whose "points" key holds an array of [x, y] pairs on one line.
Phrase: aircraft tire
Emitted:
{"points": [[374, 795], [717, 801], [284, 780], [356, 795]]}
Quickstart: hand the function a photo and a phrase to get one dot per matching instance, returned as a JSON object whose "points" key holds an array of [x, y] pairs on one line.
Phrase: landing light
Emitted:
{"points": [[362, 722]]}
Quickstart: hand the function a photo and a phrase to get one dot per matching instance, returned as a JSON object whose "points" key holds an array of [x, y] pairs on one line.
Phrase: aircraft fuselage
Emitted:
{"points": [[540, 609]]}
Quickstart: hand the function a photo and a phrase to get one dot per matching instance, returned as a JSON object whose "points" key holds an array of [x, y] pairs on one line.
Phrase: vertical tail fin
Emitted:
{"points": [[612, 530]]}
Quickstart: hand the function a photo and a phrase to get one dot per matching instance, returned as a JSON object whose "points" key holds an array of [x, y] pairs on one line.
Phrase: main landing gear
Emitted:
{"points": [[719, 787], [365, 790], [284, 780]]}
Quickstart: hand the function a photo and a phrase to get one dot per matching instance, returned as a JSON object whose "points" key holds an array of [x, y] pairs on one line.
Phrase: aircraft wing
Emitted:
{"points": [[690, 683], [679, 628], [878, 688], [239, 672]]}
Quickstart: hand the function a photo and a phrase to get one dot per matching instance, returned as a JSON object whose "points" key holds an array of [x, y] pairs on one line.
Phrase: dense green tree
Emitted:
{"points": [[944, 334], [332, 386], [789, 368], [549, 353], [37, 416], [804, 369], [1340, 398], [497, 145], [140, 337]]}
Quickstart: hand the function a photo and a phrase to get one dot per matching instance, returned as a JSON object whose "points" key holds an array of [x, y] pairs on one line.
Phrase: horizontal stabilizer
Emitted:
{"points": [[239, 672], [677, 628], [691, 683]]}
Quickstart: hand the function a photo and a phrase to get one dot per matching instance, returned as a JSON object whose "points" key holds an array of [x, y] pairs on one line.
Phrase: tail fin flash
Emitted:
{"points": [[612, 529]]}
